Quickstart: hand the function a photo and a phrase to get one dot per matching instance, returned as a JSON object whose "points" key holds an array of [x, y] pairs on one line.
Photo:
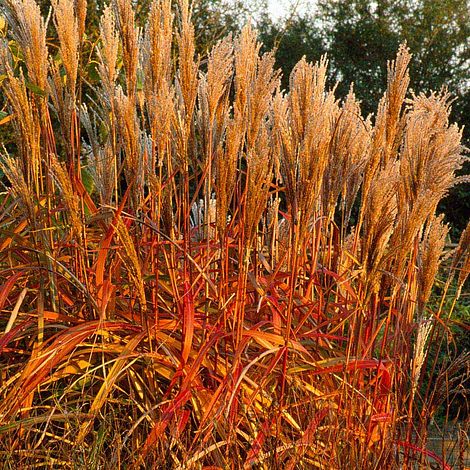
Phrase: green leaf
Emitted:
{"points": [[87, 181], [35, 89], [92, 71]]}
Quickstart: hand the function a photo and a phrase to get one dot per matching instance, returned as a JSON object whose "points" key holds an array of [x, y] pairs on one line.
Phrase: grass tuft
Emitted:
{"points": [[200, 270]]}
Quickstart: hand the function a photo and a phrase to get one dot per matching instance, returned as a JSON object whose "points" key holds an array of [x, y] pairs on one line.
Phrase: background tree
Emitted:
{"points": [[214, 19], [295, 37]]}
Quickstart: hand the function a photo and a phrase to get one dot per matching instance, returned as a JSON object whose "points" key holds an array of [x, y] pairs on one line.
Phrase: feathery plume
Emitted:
{"points": [[129, 34], [80, 12], [29, 30], [187, 66], [390, 118], [431, 248], [67, 27], [156, 48], [419, 354], [380, 209], [305, 124], [108, 50], [27, 126], [128, 131], [72, 203], [348, 156], [431, 154], [462, 257], [19, 186]]}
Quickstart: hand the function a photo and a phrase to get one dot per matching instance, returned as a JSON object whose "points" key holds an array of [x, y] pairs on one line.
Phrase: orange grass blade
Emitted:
{"points": [[6, 288], [49, 357], [188, 320]]}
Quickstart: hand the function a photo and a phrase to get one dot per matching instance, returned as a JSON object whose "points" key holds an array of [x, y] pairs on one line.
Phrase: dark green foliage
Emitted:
{"points": [[299, 37]]}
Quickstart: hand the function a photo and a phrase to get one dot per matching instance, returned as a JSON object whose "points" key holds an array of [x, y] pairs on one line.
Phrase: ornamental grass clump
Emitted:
{"points": [[199, 269]]}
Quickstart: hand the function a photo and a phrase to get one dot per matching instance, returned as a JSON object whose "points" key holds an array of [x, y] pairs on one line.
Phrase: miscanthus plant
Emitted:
{"points": [[199, 269]]}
